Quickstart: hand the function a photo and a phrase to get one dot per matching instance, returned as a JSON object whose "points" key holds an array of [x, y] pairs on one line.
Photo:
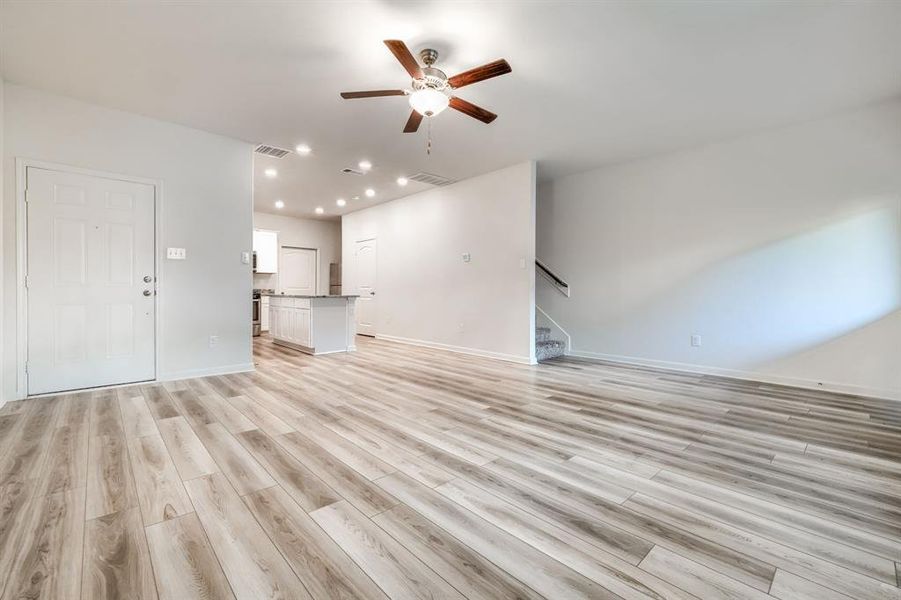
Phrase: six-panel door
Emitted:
{"points": [[90, 281]]}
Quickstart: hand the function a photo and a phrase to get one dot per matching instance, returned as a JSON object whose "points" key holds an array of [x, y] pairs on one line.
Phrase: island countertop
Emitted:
{"points": [[312, 295]]}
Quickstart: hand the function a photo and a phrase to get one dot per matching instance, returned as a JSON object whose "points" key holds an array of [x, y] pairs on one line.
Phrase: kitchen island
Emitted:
{"points": [[313, 324]]}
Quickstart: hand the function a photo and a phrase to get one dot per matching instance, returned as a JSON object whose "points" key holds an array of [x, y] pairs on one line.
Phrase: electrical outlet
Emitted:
{"points": [[696, 341], [214, 340], [467, 257], [245, 258]]}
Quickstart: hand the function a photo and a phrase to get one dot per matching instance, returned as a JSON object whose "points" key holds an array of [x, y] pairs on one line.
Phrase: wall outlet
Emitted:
{"points": [[214, 341], [176, 253], [245, 258], [696, 341], [467, 257]]}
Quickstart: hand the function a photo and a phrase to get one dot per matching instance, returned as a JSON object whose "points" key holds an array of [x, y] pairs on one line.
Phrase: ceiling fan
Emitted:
{"points": [[433, 91]]}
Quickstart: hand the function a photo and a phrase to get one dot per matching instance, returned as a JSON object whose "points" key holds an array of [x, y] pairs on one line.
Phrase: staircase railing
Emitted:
{"points": [[561, 285]]}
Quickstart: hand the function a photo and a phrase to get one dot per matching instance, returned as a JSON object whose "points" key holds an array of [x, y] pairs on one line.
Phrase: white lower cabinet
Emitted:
{"points": [[264, 314], [317, 325], [302, 327]]}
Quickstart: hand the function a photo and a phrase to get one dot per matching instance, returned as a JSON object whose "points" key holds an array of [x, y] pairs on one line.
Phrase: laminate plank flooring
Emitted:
{"points": [[406, 472]]}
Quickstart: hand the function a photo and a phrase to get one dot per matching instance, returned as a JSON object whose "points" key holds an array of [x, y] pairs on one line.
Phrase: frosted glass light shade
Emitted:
{"points": [[428, 102]]}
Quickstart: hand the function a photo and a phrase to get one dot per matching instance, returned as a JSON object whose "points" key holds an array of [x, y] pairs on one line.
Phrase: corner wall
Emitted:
{"points": [[206, 207], [426, 293], [781, 250], [3, 366]]}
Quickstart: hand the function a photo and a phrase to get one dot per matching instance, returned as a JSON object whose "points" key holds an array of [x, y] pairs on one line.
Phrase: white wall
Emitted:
{"points": [[3, 396], [426, 293], [325, 236], [206, 207], [782, 250]]}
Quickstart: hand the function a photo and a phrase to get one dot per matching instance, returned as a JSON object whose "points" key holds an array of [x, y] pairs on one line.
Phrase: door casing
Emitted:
{"points": [[362, 299], [315, 251], [22, 165]]}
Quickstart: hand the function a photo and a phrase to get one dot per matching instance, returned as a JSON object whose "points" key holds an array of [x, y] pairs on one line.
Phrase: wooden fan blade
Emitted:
{"points": [[403, 54], [468, 108], [413, 122], [498, 67], [372, 94]]}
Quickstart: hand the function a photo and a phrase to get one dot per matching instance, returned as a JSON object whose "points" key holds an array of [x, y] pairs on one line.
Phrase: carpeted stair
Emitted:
{"points": [[545, 347]]}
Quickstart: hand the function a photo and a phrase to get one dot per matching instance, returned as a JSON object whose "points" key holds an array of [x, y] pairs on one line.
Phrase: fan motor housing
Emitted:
{"points": [[431, 78]]}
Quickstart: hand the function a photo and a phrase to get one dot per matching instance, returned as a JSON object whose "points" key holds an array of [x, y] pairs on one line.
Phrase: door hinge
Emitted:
{"points": [[27, 282]]}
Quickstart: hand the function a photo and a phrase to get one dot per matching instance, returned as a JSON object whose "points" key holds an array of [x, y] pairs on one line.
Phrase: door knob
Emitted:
{"points": [[372, 293], [147, 292], [147, 278]]}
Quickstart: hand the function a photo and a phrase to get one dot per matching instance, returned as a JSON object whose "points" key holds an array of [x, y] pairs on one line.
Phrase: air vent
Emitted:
{"points": [[349, 171], [272, 151], [430, 178]]}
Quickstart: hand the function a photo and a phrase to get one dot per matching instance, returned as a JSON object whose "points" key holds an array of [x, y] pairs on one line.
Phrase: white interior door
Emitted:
{"points": [[90, 281], [297, 271], [365, 267]]}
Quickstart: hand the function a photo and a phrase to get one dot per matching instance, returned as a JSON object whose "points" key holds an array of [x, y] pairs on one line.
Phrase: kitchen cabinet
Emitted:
{"points": [[265, 248], [264, 314], [313, 324]]}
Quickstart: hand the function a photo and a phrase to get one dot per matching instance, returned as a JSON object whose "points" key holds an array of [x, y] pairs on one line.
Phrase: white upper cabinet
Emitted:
{"points": [[265, 244]]}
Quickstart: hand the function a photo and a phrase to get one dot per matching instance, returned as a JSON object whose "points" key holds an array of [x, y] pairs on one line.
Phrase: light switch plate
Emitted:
{"points": [[696, 341], [176, 253], [245, 258], [467, 257]]}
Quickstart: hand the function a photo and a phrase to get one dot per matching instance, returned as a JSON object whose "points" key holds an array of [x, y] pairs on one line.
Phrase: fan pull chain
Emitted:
{"points": [[428, 148]]}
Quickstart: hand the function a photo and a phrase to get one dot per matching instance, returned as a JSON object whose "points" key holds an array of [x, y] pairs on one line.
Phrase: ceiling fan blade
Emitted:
{"points": [[493, 69], [403, 54], [468, 108], [413, 122], [372, 94]]}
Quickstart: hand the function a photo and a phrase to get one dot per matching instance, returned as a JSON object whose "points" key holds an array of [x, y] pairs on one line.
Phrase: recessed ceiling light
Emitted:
{"points": [[303, 149], [270, 172], [279, 204], [370, 193], [365, 165], [401, 181], [319, 210], [340, 201]]}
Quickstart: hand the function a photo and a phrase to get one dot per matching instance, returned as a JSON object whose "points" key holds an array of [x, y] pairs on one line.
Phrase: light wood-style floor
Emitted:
{"points": [[403, 472]]}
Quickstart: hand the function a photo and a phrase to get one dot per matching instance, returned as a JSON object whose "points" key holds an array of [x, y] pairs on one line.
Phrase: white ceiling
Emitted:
{"points": [[592, 83]]}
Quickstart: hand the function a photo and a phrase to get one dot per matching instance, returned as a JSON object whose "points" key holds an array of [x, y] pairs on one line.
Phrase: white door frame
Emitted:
{"points": [[22, 165], [357, 274], [281, 247]]}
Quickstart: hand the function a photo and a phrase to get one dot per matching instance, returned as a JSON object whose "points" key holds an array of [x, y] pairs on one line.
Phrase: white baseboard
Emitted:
{"points": [[798, 382], [191, 373], [523, 360]]}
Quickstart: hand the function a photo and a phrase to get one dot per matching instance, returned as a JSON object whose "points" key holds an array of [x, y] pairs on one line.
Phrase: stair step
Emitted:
{"points": [[548, 349]]}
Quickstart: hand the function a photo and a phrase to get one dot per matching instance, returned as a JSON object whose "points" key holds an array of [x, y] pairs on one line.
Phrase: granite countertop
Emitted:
{"points": [[313, 295]]}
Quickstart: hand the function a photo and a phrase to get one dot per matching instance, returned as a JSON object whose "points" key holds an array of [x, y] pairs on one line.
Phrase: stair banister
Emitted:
{"points": [[561, 285]]}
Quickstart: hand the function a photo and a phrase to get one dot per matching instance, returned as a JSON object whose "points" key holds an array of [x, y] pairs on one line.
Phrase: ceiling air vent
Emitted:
{"points": [[272, 151], [430, 178], [349, 171]]}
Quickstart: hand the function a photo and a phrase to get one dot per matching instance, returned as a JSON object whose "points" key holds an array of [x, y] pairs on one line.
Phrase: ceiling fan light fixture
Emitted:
{"points": [[428, 101]]}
